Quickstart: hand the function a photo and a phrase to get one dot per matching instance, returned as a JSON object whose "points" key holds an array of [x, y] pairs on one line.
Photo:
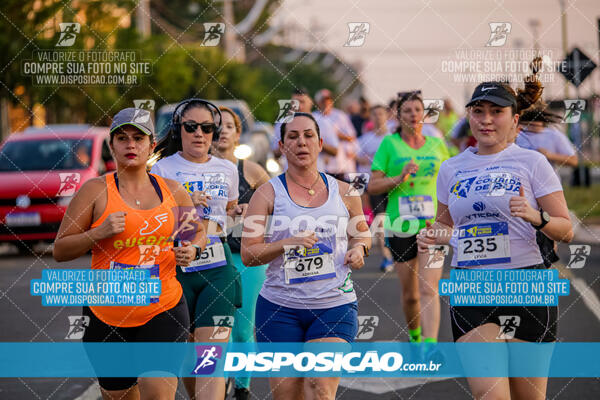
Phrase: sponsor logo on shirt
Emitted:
{"points": [[462, 187]]}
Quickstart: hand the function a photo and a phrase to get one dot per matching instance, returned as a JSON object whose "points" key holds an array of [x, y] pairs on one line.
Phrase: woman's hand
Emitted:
{"points": [[426, 238], [354, 257], [306, 239], [112, 225], [200, 198], [520, 207], [410, 168], [185, 253]]}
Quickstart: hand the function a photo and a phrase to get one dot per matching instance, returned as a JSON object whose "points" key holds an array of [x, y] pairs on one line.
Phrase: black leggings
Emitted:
{"points": [[169, 326]]}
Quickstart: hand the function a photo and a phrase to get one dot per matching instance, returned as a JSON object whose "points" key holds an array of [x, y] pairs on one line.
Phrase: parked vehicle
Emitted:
{"points": [[40, 170]]}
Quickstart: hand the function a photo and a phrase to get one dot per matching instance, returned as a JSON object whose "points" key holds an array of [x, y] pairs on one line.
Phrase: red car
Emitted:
{"points": [[40, 171]]}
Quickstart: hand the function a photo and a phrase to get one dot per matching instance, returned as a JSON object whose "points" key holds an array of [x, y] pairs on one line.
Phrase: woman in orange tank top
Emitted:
{"points": [[129, 219]]}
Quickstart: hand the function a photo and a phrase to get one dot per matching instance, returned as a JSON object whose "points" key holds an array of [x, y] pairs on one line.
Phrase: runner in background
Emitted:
{"points": [[108, 215], [374, 205], [537, 134], [534, 202], [251, 177], [405, 167], [211, 284], [295, 304], [330, 139], [446, 121], [345, 160], [361, 120]]}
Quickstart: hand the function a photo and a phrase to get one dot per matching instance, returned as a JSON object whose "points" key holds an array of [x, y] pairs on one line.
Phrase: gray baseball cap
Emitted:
{"points": [[136, 117]]}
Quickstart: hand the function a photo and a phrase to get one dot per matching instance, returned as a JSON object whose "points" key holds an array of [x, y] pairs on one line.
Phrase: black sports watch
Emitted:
{"points": [[545, 219], [198, 251]]}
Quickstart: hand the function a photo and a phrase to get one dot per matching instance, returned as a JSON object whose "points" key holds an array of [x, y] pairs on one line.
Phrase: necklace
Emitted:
{"points": [[137, 202], [310, 188]]}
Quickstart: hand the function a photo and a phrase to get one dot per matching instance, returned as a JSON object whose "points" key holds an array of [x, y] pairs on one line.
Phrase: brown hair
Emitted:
{"points": [[531, 93], [236, 120]]}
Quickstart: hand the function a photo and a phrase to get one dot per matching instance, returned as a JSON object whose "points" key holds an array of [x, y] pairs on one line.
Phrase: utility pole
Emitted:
{"points": [[142, 18], [563, 26], [234, 47]]}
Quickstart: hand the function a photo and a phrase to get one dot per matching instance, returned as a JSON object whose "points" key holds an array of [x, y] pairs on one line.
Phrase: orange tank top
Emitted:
{"points": [[144, 243]]}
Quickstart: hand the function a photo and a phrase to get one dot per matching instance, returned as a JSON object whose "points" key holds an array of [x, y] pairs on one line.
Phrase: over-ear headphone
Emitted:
{"points": [[214, 111]]}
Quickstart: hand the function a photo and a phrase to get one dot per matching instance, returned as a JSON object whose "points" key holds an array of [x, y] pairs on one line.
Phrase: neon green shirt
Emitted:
{"points": [[415, 199]]}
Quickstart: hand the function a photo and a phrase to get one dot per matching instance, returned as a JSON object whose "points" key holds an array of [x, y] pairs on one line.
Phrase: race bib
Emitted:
{"points": [[308, 265], [417, 206], [154, 272], [213, 256], [483, 244]]}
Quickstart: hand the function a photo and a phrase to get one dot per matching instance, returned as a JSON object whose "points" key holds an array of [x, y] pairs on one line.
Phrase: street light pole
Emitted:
{"points": [[563, 27]]}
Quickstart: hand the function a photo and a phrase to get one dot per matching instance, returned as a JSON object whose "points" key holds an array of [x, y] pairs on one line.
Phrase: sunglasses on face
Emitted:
{"points": [[207, 127]]}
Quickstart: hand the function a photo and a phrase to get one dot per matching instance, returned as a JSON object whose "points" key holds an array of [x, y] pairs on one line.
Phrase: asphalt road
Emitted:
{"points": [[25, 320]]}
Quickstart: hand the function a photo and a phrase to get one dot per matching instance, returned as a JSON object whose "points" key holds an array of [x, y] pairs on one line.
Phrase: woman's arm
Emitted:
{"points": [[380, 183], [438, 233], [254, 250], [559, 228], [187, 218], [358, 231], [562, 159], [74, 237]]}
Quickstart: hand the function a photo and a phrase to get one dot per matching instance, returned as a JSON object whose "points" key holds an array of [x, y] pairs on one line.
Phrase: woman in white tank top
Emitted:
{"points": [[311, 233]]}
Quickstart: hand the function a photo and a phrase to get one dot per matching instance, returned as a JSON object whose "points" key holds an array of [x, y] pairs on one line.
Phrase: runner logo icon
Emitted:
{"points": [[222, 327], [68, 183], [287, 108], [144, 104], [77, 325], [207, 359], [432, 110], [573, 110], [358, 183], [499, 33], [366, 326], [579, 254], [508, 326], [213, 31], [68, 34], [437, 254], [461, 188], [358, 33]]}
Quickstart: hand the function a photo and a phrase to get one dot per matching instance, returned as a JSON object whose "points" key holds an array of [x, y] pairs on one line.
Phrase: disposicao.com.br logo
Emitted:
{"points": [[370, 361]]}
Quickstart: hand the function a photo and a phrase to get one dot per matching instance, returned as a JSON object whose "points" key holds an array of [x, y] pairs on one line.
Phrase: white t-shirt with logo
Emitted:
{"points": [[477, 190], [218, 177]]}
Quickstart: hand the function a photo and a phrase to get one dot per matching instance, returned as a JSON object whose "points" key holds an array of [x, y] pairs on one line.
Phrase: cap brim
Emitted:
{"points": [[141, 128], [499, 101]]}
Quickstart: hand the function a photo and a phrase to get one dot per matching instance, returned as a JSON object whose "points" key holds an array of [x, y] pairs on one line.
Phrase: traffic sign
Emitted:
{"points": [[578, 67]]}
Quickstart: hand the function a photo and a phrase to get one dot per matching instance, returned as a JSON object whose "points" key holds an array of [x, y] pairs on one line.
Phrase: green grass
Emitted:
{"points": [[584, 202]]}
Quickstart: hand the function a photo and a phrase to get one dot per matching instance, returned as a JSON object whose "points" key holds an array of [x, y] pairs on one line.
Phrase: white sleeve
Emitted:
{"points": [[543, 179], [234, 188], [442, 184], [327, 132], [564, 146], [276, 136], [156, 170]]}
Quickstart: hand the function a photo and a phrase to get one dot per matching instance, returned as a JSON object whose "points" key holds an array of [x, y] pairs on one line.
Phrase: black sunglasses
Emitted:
{"points": [[191, 127]]}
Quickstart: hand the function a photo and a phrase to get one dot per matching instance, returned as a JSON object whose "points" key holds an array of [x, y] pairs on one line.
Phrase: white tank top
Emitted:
{"points": [[319, 279]]}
